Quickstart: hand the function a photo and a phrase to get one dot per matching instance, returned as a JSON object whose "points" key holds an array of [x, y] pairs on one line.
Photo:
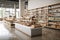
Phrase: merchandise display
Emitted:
{"points": [[54, 16], [9, 22]]}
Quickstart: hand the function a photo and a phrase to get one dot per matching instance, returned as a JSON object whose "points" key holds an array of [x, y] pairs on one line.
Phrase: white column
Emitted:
{"points": [[15, 8], [21, 7]]}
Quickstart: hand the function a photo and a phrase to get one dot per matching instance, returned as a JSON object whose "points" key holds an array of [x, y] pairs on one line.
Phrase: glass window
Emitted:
{"points": [[6, 12]]}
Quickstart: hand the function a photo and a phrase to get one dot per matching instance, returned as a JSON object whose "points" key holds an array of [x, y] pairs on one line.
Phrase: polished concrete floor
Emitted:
{"points": [[13, 34]]}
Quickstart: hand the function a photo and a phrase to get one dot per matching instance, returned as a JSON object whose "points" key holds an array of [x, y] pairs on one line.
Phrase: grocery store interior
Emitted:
{"points": [[29, 19]]}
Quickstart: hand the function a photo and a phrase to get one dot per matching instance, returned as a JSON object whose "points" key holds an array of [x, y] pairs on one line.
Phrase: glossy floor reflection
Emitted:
{"points": [[5, 33], [13, 34]]}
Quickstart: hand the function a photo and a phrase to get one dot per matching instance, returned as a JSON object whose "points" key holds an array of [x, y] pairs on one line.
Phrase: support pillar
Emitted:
{"points": [[15, 8], [21, 7]]}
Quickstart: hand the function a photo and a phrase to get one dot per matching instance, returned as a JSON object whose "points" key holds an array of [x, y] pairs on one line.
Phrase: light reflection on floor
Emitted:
{"points": [[5, 33]]}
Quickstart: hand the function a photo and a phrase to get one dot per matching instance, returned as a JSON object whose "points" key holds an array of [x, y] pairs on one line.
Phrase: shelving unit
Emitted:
{"points": [[41, 15], [47, 16], [43, 18], [54, 16]]}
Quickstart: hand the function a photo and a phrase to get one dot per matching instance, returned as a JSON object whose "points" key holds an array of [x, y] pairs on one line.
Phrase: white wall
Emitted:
{"points": [[40, 3]]}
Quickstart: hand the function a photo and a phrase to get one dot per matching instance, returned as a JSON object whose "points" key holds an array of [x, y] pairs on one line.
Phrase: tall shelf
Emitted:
{"points": [[54, 16], [41, 15], [48, 16], [43, 18]]}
